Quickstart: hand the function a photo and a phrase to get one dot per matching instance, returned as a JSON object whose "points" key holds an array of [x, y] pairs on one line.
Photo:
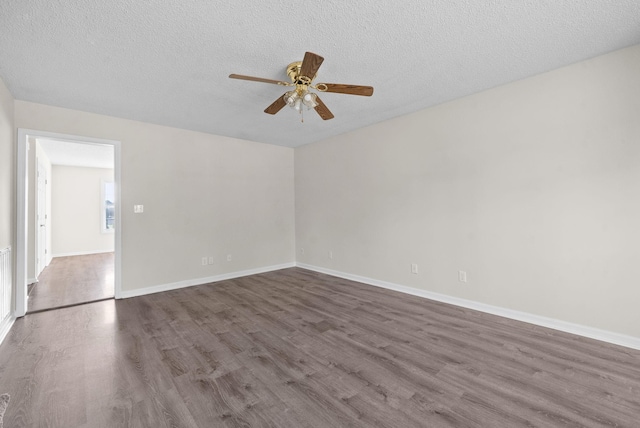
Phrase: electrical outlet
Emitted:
{"points": [[228, 257], [414, 268], [210, 260], [204, 261], [331, 255], [137, 209], [462, 276]]}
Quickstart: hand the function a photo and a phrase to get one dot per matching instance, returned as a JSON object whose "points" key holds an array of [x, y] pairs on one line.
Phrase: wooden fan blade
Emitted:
{"points": [[310, 65], [322, 110], [258, 79], [366, 91], [276, 106]]}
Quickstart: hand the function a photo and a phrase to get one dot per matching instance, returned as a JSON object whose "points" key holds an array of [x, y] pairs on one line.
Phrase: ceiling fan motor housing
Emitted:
{"points": [[293, 71]]}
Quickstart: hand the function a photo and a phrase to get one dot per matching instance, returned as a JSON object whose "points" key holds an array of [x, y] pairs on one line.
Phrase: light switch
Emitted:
{"points": [[462, 276], [137, 209]]}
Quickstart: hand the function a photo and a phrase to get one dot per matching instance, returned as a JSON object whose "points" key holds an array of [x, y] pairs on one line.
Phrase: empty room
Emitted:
{"points": [[329, 214]]}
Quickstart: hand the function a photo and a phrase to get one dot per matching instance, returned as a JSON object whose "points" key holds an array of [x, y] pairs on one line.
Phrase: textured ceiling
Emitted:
{"points": [[167, 62]]}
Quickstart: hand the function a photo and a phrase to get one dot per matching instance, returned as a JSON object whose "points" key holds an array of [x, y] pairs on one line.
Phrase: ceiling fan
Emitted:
{"points": [[302, 74]]}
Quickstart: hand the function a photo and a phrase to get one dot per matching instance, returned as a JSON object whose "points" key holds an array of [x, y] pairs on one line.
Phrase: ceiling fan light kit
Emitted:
{"points": [[301, 74], [296, 100]]}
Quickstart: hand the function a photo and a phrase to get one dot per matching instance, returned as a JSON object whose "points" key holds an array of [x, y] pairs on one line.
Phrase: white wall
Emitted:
{"points": [[76, 202], [532, 188], [203, 195], [7, 183], [7, 196], [7, 160]]}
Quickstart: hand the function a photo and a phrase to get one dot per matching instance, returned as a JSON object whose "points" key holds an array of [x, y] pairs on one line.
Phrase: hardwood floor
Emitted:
{"points": [[295, 348], [72, 280]]}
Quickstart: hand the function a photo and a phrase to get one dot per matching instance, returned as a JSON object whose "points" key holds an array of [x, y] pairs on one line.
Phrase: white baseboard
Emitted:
{"points": [[5, 326], [32, 281], [580, 330], [81, 253], [199, 281]]}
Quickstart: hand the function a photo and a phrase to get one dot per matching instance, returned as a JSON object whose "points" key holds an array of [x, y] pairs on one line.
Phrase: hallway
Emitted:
{"points": [[73, 280]]}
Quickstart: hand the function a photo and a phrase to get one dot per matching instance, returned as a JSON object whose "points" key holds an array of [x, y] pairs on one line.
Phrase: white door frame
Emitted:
{"points": [[21, 214]]}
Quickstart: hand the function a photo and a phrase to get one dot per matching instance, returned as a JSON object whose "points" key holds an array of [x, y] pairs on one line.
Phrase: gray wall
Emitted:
{"points": [[203, 195], [532, 188]]}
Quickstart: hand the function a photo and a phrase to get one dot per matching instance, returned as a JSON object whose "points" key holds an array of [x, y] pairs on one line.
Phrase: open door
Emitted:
{"points": [[42, 222]]}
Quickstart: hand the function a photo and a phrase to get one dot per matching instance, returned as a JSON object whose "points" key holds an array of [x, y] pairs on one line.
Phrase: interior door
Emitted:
{"points": [[41, 229]]}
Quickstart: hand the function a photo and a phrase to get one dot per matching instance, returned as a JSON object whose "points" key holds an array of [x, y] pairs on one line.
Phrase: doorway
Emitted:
{"points": [[70, 250]]}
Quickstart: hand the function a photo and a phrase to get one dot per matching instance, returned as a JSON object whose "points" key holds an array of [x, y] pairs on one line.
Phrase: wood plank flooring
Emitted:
{"points": [[294, 348], [72, 280]]}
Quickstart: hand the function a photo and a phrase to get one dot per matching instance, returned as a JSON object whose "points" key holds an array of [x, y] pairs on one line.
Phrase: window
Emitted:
{"points": [[108, 207]]}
